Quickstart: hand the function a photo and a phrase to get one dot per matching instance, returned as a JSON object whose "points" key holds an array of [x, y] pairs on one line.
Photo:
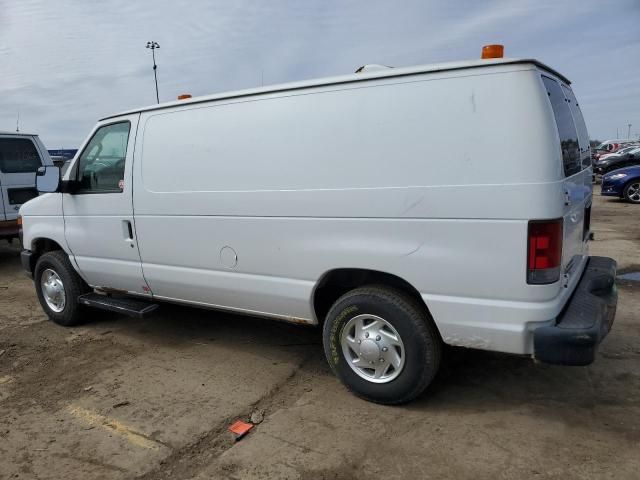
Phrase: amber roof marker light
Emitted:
{"points": [[492, 51]]}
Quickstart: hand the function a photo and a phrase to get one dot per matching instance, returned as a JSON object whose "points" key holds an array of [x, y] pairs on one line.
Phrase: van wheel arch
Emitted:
{"points": [[335, 283], [39, 247]]}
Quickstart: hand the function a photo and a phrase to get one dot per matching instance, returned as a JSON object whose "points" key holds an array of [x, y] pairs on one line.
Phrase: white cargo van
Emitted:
{"points": [[21, 154], [340, 202]]}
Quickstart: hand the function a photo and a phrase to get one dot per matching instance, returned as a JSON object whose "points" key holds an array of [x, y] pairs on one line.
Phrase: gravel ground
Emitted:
{"points": [[126, 398]]}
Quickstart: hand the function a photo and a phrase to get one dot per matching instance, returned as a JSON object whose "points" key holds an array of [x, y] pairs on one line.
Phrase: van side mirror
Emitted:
{"points": [[48, 179]]}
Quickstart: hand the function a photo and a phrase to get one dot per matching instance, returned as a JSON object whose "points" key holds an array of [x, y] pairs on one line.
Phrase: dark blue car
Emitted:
{"points": [[623, 183]]}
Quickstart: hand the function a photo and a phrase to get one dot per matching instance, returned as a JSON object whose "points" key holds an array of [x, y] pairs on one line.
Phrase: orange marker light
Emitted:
{"points": [[493, 51], [184, 96]]}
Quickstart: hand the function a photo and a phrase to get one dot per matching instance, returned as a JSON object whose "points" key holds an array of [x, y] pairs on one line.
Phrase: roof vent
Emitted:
{"points": [[372, 67]]}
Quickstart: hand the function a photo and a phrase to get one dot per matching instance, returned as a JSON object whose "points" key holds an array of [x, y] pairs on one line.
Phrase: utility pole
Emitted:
{"points": [[18, 123], [153, 45], [629, 131]]}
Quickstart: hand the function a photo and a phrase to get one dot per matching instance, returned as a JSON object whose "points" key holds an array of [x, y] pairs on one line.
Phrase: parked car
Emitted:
{"points": [[623, 183], [324, 202], [613, 162], [607, 147], [625, 149], [21, 154]]}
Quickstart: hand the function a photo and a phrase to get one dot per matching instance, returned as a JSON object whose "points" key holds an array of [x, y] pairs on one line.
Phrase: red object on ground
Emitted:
{"points": [[240, 428]]}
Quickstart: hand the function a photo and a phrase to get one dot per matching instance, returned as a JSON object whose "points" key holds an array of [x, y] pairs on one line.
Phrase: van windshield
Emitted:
{"points": [[566, 127]]}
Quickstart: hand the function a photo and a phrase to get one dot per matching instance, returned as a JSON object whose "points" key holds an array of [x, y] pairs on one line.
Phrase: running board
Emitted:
{"points": [[122, 305]]}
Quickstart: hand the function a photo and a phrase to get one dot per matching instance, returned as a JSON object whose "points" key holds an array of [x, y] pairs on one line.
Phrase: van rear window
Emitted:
{"points": [[566, 128], [581, 127]]}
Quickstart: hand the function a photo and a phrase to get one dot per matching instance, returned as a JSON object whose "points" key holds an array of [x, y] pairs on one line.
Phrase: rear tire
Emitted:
{"points": [[632, 191], [58, 287], [382, 344]]}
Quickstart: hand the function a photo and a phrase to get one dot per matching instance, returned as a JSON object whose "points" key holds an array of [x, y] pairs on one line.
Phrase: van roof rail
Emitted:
{"points": [[365, 75]]}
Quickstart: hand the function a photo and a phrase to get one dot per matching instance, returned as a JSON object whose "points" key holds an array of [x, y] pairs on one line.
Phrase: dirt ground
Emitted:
{"points": [[152, 399]]}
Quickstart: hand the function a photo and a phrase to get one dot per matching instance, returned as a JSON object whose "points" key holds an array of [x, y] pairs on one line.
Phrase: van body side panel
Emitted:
{"points": [[278, 275], [361, 176]]}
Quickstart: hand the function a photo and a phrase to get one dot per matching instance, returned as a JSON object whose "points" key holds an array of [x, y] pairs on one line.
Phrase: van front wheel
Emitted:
{"points": [[382, 344], [58, 287]]}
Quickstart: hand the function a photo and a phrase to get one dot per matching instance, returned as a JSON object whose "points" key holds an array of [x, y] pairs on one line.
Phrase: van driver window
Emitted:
{"points": [[101, 165]]}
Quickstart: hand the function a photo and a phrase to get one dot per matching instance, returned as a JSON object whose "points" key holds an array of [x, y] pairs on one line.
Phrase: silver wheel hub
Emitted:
{"points": [[53, 290], [633, 192], [372, 348], [369, 351]]}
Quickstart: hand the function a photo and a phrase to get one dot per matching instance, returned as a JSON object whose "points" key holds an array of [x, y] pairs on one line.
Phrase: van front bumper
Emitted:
{"points": [[585, 320]]}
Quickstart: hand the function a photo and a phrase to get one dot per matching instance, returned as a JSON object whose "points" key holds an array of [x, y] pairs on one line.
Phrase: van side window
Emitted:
{"points": [[101, 165], [18, 155], [566, 127]]}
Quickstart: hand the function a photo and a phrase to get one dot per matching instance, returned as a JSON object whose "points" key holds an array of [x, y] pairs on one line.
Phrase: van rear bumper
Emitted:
{"points": [[585, 320]]}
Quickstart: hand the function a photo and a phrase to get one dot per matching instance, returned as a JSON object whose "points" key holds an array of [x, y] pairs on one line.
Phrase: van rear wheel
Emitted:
{"points": [[382, 344], [58, 287]]}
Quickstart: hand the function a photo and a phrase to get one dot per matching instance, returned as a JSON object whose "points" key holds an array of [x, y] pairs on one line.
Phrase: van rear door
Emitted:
{"points": [[19, 160], [576, 160]]}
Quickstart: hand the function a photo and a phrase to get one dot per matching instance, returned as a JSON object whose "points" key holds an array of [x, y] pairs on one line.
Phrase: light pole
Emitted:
{"points": [[153, 45], [629, 131]]}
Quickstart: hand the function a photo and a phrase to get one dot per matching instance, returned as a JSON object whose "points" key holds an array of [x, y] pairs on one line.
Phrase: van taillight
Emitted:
{"points": [[544, 255]]}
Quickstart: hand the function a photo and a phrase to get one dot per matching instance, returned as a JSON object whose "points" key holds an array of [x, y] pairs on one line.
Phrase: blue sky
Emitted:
{"points": [[66, 63]]}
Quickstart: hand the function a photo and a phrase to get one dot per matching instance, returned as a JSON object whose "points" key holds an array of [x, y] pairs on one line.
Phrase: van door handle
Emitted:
{"points": [[127, 230]]}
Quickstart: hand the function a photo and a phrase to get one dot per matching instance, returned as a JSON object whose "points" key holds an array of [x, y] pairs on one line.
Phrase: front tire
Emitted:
{"points": [[632, 192], [382, 344], [58, 287]]}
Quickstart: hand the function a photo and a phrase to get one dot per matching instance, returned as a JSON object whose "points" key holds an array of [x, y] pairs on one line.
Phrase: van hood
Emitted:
{"points": [[49, 204]]}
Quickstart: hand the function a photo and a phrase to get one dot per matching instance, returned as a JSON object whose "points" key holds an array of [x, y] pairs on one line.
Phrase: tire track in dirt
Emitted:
{"points": [[187, 461]]}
